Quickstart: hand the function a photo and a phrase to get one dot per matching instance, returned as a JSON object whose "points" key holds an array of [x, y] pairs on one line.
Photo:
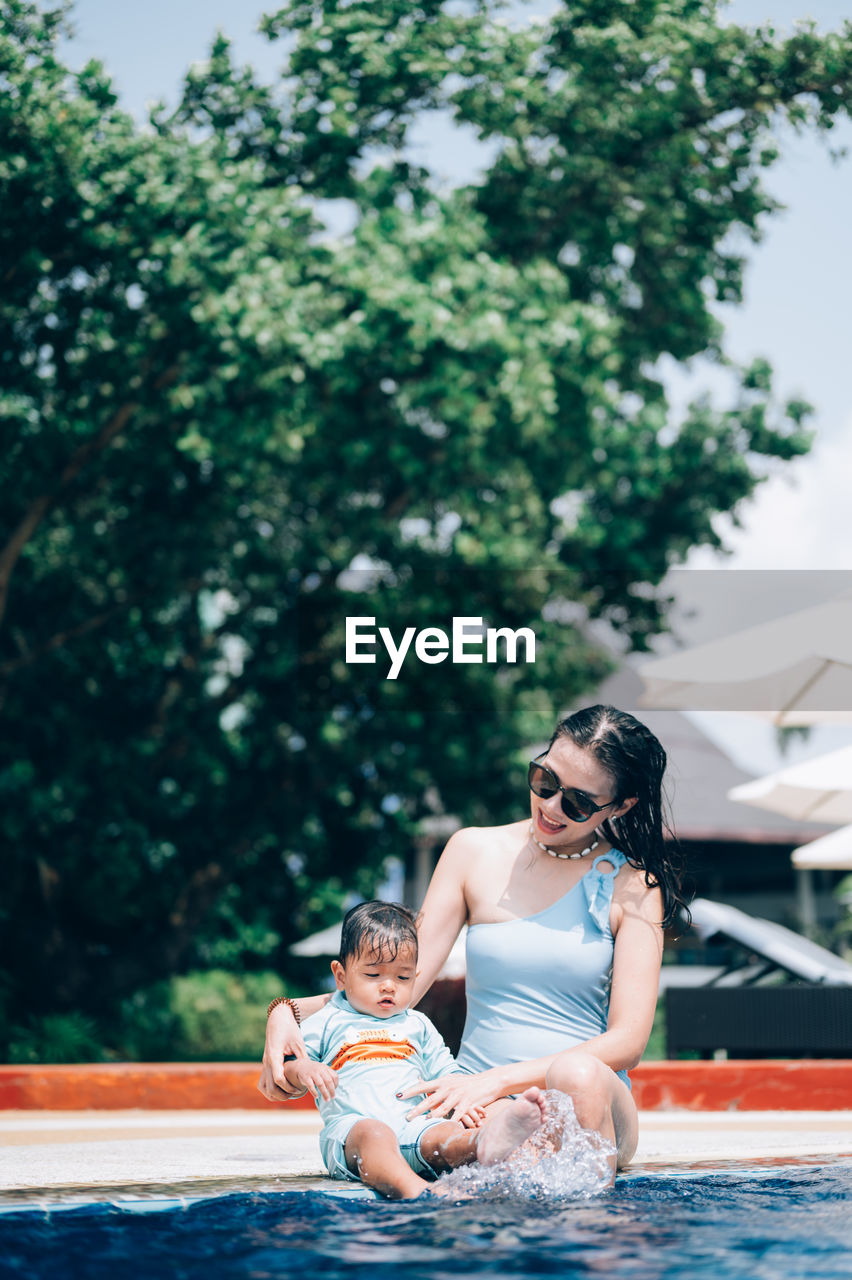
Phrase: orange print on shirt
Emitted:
{"points": [[376, 1049]]}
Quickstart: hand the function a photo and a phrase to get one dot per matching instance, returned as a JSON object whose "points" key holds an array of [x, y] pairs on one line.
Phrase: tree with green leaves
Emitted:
{"points": [[227, 427]]}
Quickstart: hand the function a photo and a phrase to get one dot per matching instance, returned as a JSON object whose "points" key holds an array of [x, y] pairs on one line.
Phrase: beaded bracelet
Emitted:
{"points": [[294, 1008]]}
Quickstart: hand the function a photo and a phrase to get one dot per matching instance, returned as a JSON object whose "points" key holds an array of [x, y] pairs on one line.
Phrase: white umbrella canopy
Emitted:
{"points": [[796, 669], [327, 943], [828, 853], [817, 790]]}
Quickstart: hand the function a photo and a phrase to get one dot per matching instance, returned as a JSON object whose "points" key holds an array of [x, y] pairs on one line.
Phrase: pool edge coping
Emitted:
{"points": [[148, 1198], [733, 1085]]}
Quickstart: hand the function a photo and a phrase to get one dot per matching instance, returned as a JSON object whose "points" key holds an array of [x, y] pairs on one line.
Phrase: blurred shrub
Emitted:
{"points": [[656, 1047], [212, 1015], [56, 1037]]}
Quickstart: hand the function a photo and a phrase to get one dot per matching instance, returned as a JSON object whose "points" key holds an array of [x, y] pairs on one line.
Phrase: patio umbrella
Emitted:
{"points": [[830, 853], [818, 790], [797, 669], [327, 943]]}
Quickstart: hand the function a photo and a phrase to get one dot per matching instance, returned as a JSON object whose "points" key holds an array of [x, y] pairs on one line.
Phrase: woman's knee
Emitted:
{"points": [[578, 1074]]}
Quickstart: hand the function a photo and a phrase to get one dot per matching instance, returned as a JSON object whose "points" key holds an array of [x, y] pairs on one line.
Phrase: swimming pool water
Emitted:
{"points": [[776, 1223]]}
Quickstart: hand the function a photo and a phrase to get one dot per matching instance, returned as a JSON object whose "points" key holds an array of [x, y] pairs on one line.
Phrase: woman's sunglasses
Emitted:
{"points": [[576, 806]]}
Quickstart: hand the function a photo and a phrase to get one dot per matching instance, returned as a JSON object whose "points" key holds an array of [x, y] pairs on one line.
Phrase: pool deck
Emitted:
{"points": [[69, 1156], [124, 1131]]}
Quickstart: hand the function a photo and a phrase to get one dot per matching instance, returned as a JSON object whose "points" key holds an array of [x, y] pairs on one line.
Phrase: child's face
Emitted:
{"points": [[378, 986]]}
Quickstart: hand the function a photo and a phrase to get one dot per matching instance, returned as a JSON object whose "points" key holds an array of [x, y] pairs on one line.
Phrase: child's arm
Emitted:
{"points": [[437, 1059], [310, 1077], [303, 1070]]}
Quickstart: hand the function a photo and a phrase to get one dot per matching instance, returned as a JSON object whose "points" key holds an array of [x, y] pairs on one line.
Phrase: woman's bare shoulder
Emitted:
{"points": [[632, 891], [468, 846], [474, 839]]}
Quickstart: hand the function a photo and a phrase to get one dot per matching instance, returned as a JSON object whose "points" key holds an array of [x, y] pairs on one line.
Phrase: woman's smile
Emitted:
{"points": [[547, 826]]}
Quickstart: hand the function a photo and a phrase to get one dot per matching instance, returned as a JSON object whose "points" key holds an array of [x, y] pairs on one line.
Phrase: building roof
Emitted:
{"points": [[700, 775]]}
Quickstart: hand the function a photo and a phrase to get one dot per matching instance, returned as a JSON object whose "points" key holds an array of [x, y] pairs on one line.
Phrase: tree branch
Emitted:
{"points": [[62, 637], [40, 507]]}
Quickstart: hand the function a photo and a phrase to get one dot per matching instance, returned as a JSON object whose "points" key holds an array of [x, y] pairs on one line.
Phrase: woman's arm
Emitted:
{"points": [[638, 954], [444, 911], [284, 1039]]}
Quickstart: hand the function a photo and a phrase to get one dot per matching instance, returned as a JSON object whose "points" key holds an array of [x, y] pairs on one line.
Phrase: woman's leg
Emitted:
{"points": [[602, 1101], [372, 1153]]}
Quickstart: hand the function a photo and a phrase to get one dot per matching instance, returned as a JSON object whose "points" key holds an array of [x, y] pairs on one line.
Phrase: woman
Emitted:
{"points": [[566, 912]]}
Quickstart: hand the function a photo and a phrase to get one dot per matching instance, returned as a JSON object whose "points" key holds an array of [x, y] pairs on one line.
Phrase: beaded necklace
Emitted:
{"points": [[557, 853]]}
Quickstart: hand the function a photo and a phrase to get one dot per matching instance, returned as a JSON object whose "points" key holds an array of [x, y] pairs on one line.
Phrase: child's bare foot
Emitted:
{"points": [[409, 1189], [510, 1127]]}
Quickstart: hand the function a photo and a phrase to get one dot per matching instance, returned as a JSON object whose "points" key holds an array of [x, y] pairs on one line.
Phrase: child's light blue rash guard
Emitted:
{"points": [[539, 985], [375, 1058]]}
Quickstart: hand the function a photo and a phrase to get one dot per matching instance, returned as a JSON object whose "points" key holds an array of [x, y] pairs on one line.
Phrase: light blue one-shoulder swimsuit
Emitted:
{"points": [[539, 985]]}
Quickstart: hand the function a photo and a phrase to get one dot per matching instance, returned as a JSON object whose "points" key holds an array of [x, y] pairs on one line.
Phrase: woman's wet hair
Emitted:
{"points": [[377, 930], [636, 761]]}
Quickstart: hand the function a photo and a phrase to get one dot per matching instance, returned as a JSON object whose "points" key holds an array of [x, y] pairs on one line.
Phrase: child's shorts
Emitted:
{"points": [[409, 1137]]}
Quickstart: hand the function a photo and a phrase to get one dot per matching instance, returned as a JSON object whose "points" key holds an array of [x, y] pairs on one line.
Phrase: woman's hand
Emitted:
{"points": [[463, 1095], [283, 1039]]}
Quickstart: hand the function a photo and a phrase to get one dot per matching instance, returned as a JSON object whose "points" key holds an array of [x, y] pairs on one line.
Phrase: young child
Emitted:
{"points": [[366, 1045]]}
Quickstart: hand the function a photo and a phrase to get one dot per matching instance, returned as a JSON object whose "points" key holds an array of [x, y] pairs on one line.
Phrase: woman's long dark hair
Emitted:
{"points": [[634, 758]]}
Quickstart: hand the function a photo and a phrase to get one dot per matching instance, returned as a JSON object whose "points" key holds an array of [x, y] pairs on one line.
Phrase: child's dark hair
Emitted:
{"points": [[628, 750], [381, 929]]}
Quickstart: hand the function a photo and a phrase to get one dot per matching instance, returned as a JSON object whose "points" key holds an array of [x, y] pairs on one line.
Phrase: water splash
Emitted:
{"points": [[560, 1161]]}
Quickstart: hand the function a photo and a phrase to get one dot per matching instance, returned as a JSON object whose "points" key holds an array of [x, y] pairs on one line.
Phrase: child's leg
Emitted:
{"points": [[372, 1152], [449, 1145]]}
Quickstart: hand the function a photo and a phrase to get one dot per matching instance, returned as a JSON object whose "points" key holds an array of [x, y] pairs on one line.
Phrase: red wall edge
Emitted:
{"points": [[765, 1085], [802, 1085]]}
